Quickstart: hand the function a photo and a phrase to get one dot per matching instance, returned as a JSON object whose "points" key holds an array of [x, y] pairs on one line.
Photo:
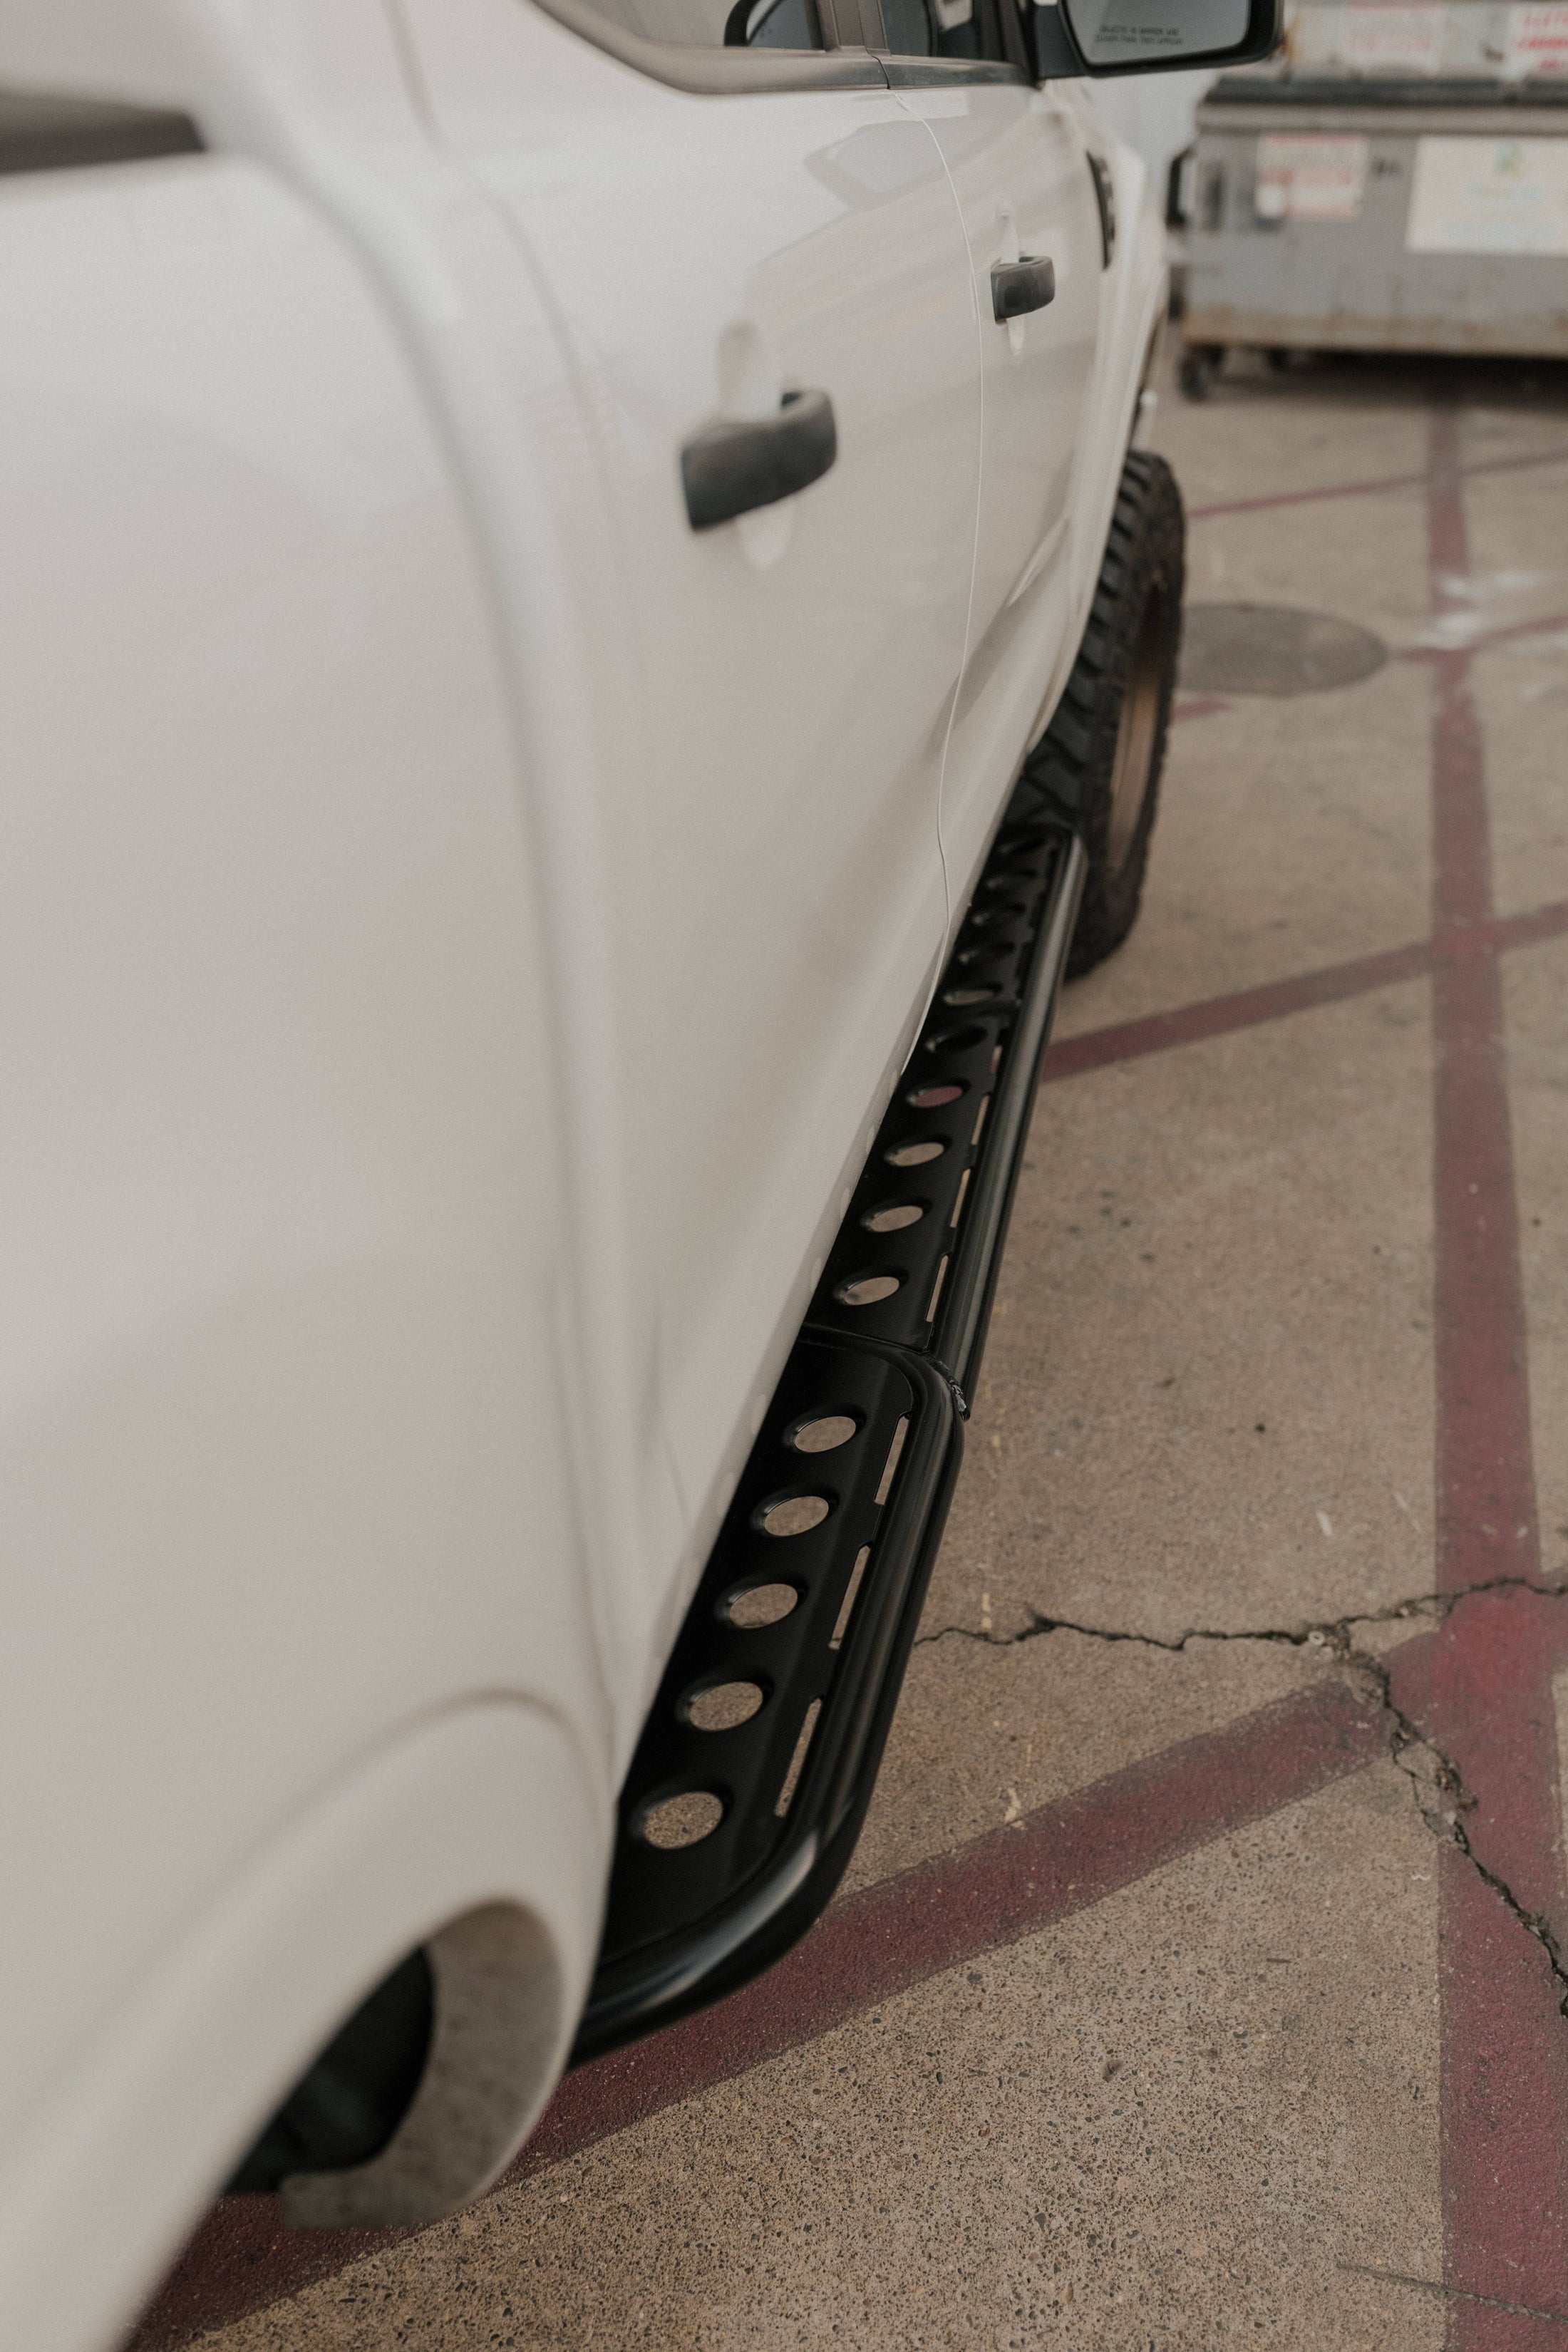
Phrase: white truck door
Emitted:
{"points": [[1021, 172], [781, 226]]}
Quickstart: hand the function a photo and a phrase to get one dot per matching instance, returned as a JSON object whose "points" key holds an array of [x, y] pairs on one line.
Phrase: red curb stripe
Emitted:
{"points": [[1485, 1687], [1375, 487], [999, 1888], [1246, 1008]]}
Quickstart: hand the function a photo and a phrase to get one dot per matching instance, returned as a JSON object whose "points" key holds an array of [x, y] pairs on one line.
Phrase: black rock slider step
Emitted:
{"points": [[752, 1777]]}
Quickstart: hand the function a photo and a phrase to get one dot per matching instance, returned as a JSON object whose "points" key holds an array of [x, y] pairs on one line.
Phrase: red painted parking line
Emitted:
{"points": [[1377, 486], [1483, 1688], [1242, 1008], [1247, 1008], [990, 1893]]}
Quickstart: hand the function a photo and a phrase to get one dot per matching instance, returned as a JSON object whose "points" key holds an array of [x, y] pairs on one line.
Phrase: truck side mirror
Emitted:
{"points": [[1123, 37]]}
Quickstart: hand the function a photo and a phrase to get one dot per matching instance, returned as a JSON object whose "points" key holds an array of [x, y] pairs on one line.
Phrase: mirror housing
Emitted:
{"points": [[1101, 37]]}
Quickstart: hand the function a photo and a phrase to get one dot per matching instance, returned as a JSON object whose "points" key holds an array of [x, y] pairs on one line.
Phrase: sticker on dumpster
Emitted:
{"points": [[1309, 175], [1488, 195], [1537, 41], [1393, 35]]}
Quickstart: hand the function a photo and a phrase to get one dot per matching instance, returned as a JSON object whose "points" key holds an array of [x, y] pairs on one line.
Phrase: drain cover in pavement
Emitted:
{"points": [[1269, 649]]}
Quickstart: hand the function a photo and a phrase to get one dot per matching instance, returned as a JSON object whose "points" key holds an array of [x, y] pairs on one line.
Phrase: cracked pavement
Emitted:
{"points": [[1436, 1781], [1253, 1601]]}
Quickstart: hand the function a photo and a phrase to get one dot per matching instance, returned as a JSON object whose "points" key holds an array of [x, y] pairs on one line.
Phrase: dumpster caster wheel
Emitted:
{"points": [[1200, 363]]}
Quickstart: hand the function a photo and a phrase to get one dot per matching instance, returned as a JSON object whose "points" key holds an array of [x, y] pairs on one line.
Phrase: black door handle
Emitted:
{"points": [[1020, 286], [729, 467]]}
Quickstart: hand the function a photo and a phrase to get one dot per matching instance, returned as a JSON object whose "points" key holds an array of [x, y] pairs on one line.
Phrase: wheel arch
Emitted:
{"points": [[475, 1833]]}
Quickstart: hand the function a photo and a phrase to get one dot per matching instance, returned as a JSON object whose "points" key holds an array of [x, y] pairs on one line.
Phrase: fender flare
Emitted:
{"points": [[474, 1832]]}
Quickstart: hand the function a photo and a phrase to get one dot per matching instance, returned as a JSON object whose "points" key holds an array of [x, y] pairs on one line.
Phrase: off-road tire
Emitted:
{"points": [[1123, 680]]}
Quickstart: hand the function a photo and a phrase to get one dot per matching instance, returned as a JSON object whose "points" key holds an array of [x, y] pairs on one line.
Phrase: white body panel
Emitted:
{"points": [[459, 930], [1020, 174]]}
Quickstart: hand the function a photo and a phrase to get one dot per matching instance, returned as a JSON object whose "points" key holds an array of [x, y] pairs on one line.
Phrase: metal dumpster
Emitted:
{"points": [[1333, 203]]}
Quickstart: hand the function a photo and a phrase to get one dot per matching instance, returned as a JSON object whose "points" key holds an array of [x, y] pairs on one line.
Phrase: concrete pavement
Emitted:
{"points": [[1195, 1982]]}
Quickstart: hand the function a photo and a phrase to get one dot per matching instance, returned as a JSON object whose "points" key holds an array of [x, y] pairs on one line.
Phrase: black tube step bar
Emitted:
{"points": [[751, 1779]]}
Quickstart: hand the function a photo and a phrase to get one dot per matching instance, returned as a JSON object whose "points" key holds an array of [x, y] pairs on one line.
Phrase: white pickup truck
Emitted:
{"points": [[583, 619]]}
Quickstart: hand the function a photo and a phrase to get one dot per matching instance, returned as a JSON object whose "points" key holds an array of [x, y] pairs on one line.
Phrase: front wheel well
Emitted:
{"points": [[411, 2108]]}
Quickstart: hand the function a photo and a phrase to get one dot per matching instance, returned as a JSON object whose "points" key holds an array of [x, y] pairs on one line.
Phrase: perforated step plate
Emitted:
{"points": [[916, 1255], [758, 1757], [756, 1764]]}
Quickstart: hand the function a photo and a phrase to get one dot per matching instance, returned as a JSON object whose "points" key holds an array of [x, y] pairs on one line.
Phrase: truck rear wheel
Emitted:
{"points": [[1098, 763]]}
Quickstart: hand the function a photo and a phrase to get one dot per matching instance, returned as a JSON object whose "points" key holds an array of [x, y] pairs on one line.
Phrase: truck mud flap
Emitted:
{"points": [[756, 1765]]}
